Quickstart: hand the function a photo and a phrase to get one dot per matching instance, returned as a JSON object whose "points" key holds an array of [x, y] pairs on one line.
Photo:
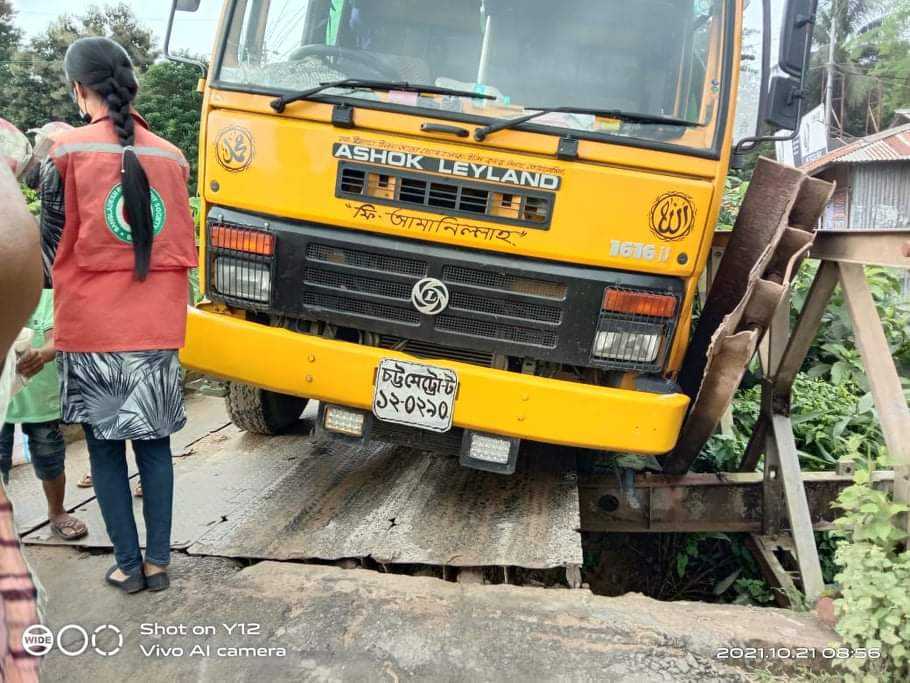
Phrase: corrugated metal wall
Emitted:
{"points": [[880, 196]]}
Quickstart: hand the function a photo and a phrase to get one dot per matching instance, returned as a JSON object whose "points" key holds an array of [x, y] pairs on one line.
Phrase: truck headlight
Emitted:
{"points": [[640, 346], [634, 328], [241, 279]]}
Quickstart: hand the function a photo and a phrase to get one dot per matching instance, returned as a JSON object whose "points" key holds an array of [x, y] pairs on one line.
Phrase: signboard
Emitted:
{"points": [[810, 144]]}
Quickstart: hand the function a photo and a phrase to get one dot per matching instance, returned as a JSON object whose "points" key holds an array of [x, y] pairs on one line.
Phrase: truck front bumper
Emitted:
{"points": [[489, 400]]}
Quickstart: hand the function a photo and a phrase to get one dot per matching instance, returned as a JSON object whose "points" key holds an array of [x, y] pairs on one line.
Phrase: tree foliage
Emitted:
{"points": [[169, 102], [883, 52], [35, 90], [872, 45], [34, 87], [9, 34]]}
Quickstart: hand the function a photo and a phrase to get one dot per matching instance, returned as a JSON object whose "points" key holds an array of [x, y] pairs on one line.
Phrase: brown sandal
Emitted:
{"points": [[70, 529], [86, 481]]}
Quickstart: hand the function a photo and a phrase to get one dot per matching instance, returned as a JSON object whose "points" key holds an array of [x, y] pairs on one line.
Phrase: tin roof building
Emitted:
{"points": [[873, 182]]}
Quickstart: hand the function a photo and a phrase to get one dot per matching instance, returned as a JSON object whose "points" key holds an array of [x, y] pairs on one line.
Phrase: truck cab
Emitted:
{"points": [[462, 224]]}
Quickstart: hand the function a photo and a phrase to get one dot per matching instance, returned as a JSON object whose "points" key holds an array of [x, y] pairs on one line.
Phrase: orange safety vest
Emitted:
{"points": [[98, 303]]}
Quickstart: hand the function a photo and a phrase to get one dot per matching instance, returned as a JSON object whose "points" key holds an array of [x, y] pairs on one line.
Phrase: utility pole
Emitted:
{"points": [[829, 81]]}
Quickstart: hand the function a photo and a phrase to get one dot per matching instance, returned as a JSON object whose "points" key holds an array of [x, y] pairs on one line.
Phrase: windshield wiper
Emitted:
{"points": [[280, 103], [480, 134]]}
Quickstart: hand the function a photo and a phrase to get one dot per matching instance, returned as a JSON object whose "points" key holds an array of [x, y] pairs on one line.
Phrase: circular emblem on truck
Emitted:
{"points": [[430, 296], [672, 216], [234, 148], [115, 216]]}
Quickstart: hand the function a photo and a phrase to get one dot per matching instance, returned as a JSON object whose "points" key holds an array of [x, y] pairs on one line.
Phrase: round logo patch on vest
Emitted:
{"points": [[115, 215]]}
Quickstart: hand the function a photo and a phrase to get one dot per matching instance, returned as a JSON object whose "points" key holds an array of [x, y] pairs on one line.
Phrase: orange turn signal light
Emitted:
{"points": [[238, 239], [640, 303]]}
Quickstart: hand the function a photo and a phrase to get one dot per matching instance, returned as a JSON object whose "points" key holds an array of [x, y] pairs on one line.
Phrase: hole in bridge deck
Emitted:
{"points": [[608, 503]]}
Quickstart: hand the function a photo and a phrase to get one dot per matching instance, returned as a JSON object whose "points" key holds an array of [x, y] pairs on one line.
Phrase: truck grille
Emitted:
{"points": [[398, 265], [363, 309], [486, 330], [430, 350], [500, 307], [351, 282], [462, 301], [504, 282], [449, 196]]}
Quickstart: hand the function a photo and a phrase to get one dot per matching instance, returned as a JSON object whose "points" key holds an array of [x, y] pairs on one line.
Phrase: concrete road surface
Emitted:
{"points": [[312, 622]]}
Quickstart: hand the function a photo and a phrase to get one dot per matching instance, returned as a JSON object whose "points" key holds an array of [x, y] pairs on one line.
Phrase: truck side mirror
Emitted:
{"points": [[784, 104], [796, 34], [784, 99], [181, 6], [782, 94]]}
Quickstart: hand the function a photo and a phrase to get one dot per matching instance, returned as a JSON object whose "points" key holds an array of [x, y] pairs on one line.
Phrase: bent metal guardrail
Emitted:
{"points": [[780, 498]]}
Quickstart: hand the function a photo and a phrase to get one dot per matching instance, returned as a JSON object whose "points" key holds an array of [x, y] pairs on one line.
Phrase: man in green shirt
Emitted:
{"points": [[36, 408]]}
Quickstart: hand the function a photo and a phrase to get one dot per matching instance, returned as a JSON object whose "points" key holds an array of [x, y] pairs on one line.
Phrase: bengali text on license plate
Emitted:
{"points": [[415, 394]]}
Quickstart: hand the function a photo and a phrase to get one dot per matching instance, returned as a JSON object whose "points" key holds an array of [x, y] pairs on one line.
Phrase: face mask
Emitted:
{"points": [[85, 116]]}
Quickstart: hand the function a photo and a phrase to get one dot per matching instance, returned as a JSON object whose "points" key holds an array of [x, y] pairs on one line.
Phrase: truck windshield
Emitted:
{"points": [[655, 57]]}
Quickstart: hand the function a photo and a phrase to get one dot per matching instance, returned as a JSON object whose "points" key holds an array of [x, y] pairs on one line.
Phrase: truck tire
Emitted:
{"points": [[260, 411]]}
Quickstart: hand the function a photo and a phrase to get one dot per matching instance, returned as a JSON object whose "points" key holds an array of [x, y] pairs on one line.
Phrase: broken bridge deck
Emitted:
{"points": [[401, 506], [296, 497]]}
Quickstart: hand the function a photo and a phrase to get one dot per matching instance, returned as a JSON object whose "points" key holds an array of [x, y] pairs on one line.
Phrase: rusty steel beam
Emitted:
{"points": [[866, 247], [794, 492], [884, 382], [806, 329], [731, 502]]}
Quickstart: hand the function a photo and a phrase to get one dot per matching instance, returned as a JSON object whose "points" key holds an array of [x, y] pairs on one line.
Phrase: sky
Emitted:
{"points": [[192, 32]]}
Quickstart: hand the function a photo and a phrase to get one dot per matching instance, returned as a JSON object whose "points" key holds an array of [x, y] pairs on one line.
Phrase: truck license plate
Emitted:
{"points": [[415, 394]]}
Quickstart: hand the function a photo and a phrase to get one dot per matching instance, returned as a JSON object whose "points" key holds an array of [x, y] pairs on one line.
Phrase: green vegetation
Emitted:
{"points": [[872, 61], [170, 103], [35, 90], [874, 609]]}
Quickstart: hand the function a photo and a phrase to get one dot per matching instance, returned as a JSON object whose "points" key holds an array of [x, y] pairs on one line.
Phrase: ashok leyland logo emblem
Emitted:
{"points": [[115, 216], [430, 296]]}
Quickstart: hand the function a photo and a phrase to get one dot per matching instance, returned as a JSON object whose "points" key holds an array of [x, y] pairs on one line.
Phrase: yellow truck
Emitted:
{"points": [[464, 224]]}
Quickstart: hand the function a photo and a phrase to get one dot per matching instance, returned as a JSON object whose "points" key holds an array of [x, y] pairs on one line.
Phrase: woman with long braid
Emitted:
{"points": [[118, 240]]}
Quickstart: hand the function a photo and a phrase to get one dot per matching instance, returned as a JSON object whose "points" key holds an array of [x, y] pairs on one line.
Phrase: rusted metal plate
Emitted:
{"points": [[398, 505], [766, 207], [772, 236], [700, 502]]}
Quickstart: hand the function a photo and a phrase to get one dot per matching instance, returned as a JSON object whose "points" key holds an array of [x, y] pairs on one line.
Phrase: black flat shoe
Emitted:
{"points": [[133, 583], [157, 582]]}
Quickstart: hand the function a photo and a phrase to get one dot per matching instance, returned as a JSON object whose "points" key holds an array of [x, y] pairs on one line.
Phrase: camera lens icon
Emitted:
{"points": [[37, 640], [72, 640]]}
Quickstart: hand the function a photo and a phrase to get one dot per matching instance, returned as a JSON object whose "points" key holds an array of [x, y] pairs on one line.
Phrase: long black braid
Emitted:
{"points": [[103, 66]]}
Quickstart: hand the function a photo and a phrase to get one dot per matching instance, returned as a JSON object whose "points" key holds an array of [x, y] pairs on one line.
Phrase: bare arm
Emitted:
{"points": [[20, 254], [34, 360]]}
